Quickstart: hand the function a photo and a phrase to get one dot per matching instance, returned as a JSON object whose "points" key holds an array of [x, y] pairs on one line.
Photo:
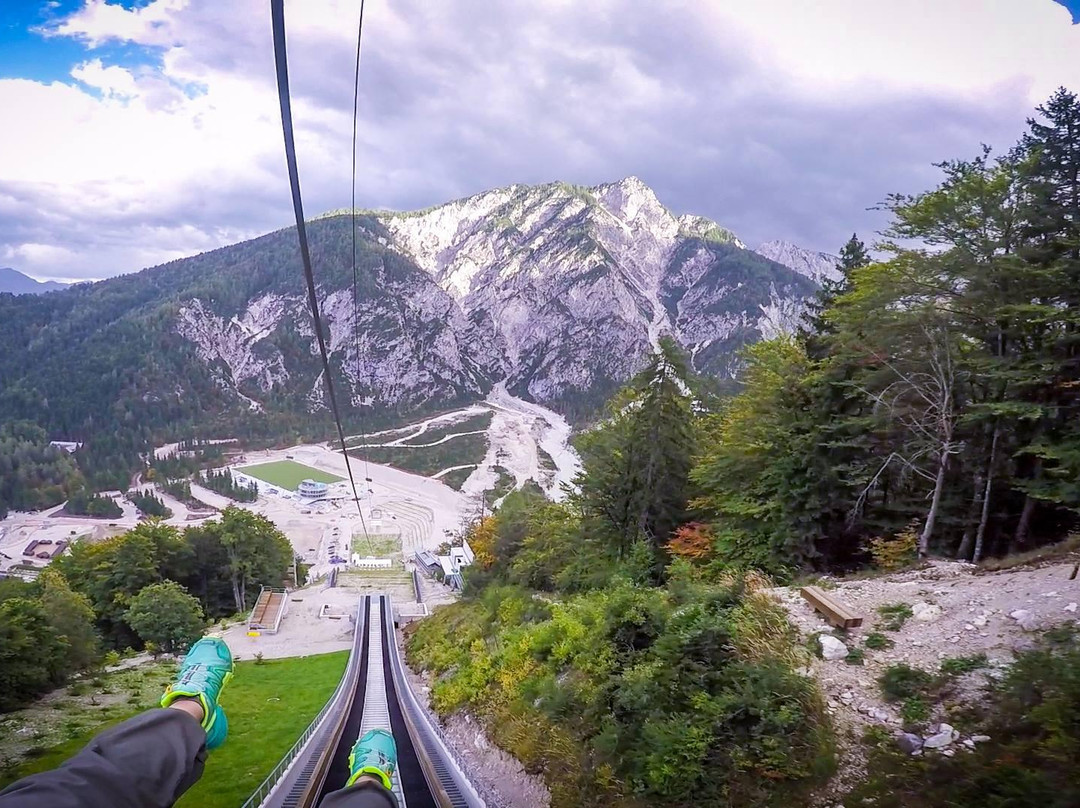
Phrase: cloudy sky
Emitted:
{"points": [[138, 132]]}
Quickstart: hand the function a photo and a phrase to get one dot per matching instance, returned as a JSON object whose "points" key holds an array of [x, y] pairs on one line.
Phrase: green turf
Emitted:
{"points": [[268, 706], [288, 474], [376, 544]]}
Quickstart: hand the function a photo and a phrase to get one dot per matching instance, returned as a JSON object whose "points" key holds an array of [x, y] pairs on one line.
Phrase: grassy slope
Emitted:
{"points": [[288, 473], [63, 721], [268, 705]]}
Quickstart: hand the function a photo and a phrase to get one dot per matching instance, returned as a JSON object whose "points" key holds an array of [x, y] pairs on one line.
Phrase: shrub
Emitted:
{"points": [[900, 682], [680, 700], [894, 615], [896, 552], [914, 710], [876, 641], [1032, 718], [856, 656], [956, 666]]}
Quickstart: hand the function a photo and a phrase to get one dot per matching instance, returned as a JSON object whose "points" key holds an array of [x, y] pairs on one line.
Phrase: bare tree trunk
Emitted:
{"points": [[971, 523], [1023, 527], [238, 598], [931, 517], [980, 535]]}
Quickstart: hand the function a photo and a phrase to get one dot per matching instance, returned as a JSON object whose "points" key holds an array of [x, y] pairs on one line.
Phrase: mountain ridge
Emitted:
{"points": [[18, 283], [561, 292], [818, 266]]}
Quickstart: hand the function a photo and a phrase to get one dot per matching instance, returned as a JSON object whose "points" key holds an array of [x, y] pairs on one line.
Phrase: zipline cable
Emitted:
{"points": [[355, 269], [277, 14]]}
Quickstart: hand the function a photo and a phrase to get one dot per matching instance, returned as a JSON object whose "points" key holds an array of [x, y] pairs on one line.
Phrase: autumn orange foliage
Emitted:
{"points": [[694, 541], [481, 538]]}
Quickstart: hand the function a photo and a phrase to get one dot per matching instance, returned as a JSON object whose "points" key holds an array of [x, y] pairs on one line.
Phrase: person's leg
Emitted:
{"points": [[371, 774], [147, 761]]}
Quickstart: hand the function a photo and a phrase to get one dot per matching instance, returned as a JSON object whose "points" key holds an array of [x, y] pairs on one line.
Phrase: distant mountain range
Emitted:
{"points": [[16, 283], [817, 266], [558, 291]]}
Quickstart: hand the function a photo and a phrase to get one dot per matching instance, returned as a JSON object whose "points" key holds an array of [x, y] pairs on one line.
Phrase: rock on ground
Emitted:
{"points": [[832, 648], [964, 612]]}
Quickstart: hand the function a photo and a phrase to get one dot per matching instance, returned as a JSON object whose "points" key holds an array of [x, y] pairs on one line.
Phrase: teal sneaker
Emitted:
{"points": [[374, 754], [206, 669]]}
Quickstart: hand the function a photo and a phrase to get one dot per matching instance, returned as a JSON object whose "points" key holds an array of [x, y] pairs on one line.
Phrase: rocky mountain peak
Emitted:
{"points": [[818, 266], [558, 292]]}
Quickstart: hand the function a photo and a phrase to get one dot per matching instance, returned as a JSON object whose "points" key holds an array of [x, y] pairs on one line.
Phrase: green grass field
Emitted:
{"points": [[288, 474], [376, 544], [268, 706]]}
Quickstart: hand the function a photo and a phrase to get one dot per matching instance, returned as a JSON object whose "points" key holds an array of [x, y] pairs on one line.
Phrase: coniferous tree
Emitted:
{"points": [[634, 483], [852, 256]]}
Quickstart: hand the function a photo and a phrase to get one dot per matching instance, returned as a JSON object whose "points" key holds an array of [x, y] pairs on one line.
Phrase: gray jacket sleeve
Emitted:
{"points": [[362, 795], [145, 762]]}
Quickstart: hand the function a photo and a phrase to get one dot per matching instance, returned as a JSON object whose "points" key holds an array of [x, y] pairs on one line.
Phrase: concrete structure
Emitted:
{"points": [[269, 609], [426, 561], [309, 489], [451, 565]]}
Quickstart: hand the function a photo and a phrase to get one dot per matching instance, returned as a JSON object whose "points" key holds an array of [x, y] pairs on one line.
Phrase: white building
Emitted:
{"points": [[309, 489]]}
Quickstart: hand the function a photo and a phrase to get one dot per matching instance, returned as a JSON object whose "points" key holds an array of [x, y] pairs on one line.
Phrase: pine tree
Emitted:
{"points": [[634, 484], [1051, 230], [853, 255]]}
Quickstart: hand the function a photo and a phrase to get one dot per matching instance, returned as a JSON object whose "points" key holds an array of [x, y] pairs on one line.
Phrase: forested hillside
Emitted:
{"points": [[33, 473], [939, 388], [555, 291]]}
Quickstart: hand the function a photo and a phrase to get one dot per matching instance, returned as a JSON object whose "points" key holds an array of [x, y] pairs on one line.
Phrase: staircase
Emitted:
{"points": [[268, 611]]}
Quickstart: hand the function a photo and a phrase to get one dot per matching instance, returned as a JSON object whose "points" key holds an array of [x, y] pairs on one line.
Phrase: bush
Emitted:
{"points": [[896, 552], [856, 656], [914, 710], [683, 700], [900, 682], [876, 641], [894, 615], [1032, 718], [957, 666]]}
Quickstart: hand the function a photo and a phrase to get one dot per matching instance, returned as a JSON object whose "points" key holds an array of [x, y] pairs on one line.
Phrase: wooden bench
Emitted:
{"points": [[835, 612]]}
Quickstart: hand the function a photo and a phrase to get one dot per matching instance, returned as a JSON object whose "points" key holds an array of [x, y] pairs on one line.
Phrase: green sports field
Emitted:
{"points": [[288, 474]]}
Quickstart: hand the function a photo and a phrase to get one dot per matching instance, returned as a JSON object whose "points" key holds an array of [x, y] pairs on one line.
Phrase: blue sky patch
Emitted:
{"points": [[27, 54], [1074, 8]]}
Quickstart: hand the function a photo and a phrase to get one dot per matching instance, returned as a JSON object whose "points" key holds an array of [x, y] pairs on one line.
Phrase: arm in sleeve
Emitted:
{"points": [[145, 762]]}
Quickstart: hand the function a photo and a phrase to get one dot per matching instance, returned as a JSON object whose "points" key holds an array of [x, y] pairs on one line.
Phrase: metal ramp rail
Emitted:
{"points": [[373, 693]]}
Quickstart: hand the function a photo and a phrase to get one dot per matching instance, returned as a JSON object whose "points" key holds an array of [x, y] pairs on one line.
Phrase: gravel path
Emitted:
{"points": [[958, 611]]}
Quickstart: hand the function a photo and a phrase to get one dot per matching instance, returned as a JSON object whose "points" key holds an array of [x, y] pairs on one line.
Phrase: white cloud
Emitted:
{"points": [[114, 82], [782, 119], [99, 22], [834, 47]]}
